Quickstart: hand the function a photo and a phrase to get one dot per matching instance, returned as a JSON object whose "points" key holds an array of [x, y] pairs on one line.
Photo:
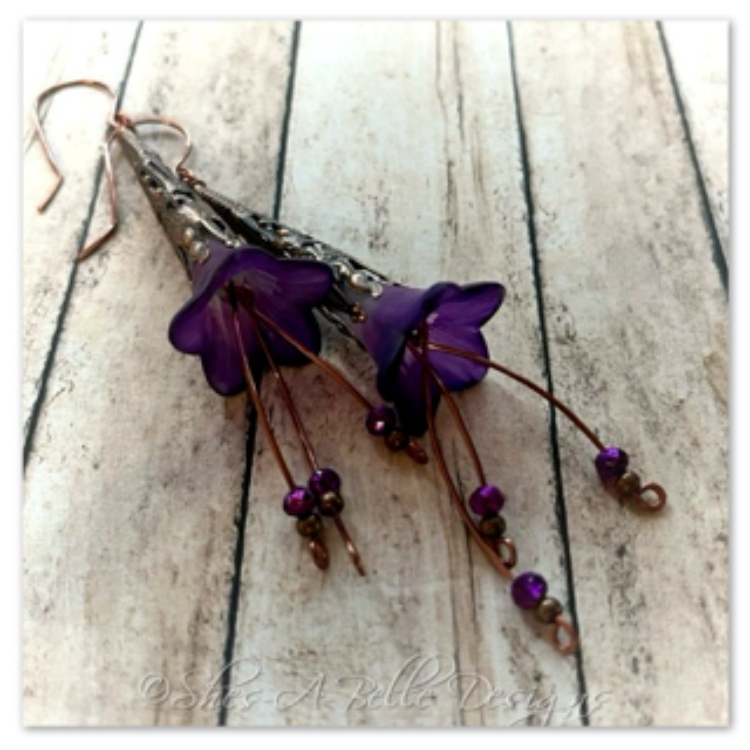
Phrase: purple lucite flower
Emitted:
{"points": [[453, 315], [284, 290]]}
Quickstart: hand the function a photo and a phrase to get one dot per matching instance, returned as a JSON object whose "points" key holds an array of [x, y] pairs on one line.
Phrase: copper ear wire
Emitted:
{"points": [[116, 122], [49, 156]]}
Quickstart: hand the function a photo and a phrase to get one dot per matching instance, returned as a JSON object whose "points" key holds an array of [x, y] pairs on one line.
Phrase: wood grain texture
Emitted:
{"points": [[55, 52], [423, 191], [137, 469], [638, 336], [700, 56], [405, 147]]}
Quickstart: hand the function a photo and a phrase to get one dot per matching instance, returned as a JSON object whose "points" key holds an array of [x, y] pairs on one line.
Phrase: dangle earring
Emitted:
{"points": [[426, 344], [249, 312], [257, 285]]}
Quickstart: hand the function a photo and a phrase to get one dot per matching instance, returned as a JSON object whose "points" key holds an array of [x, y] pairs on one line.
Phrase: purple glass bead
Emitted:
{"points": [[611, 464], [486, 499], [299, 502], [528, 589], [324, 480], [381, 421]]}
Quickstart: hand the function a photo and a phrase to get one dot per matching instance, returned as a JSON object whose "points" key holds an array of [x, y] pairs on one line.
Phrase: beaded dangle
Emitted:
{"points": [[257, 286]]}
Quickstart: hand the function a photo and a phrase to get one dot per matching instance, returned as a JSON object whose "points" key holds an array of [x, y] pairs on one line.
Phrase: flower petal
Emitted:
{"points": [[220, 355], [284, 290], [470, 305], [456, 323], [275, 284], [453, 314], [409, 396], [301, 325], [455, 372], [390, 319]]}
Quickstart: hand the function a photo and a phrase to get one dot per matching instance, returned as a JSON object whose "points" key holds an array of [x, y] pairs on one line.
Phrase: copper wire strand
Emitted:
{"points": [[498, 545], [493, 556], [511, 557], [286, 394], [299, 426], [644, 504], [41, 135], [160, 120], [114, 216], [94, 245], [458, 417], [565, 647], [319, 552], [117, 122], [330, 370], [316, 545], [640, 498], [259, 408], [559, 405], [414, 450], [351, 548]]}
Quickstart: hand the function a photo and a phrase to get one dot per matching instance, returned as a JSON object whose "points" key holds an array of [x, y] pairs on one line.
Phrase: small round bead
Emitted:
{"points": [[611, 463], [299, 502], [492, 526], [396, 441], [324, 480], [381, 421], [309, 527], [486, 499], [628, 484], [330, 503], [548, 610], [528, 590]]}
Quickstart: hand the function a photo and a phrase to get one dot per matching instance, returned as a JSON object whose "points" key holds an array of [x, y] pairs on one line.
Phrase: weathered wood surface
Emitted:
{"points": [[51, 56], [549, 156], [638, 335], [136, 472], [700, 54]]}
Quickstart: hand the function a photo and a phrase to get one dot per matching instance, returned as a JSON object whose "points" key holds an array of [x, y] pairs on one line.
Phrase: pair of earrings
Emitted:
{"points": [[257, 286]]}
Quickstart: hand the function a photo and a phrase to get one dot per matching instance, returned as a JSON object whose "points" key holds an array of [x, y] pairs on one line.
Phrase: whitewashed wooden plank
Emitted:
{"points": [[403, 149], [137, 471], [700, 57], [638, 338], [55, 52]]}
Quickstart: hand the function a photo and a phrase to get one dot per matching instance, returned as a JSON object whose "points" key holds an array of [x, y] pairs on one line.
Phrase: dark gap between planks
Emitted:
{"points": [[560, 504], [49, 362], [244, 509]]}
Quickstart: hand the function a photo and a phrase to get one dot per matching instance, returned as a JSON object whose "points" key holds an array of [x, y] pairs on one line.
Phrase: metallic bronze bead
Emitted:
{"points": [[309, 527], [628, 485], [330, 503], [357, 314], [396, 441], [492, 526], [548, 610]]}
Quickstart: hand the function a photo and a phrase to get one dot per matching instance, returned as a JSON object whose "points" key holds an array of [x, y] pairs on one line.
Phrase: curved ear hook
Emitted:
{"points": [[43, 138], [117, 122], [181, 129], [112, 121]]}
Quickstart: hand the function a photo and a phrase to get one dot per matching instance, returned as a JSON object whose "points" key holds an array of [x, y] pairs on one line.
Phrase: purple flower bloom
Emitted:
{"points": [[453, 315], [284, 290]]}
